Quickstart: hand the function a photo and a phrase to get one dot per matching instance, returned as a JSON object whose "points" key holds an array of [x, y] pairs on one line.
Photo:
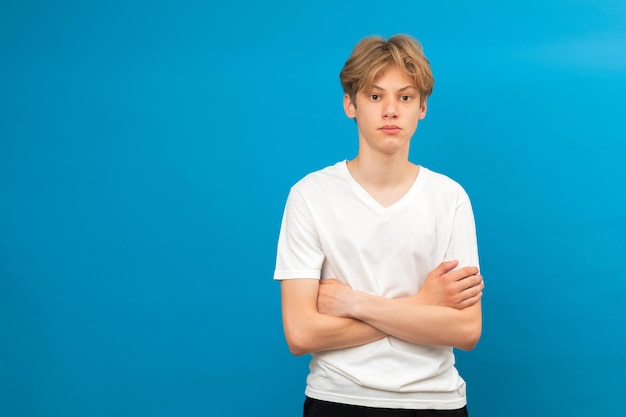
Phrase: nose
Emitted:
{"points": [[389, 110]]}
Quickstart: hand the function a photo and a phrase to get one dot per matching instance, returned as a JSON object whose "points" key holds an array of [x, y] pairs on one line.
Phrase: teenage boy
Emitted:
{"points": [[377, 256]]}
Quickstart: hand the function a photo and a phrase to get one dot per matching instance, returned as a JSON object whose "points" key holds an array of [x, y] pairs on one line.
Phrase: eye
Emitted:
{"points": [[406, 98], [374, 97]]}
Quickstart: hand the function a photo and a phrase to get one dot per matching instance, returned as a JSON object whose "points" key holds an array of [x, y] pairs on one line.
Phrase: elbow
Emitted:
{"points": [[298, 343], [296, 349], [470, 336]]}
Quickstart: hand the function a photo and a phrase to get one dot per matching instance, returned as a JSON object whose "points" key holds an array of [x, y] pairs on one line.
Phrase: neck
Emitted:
{"points": [[382, 170]]}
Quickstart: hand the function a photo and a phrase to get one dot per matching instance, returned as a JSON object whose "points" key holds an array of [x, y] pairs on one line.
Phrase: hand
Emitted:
{"points": [[334, 298], [444, 286]]}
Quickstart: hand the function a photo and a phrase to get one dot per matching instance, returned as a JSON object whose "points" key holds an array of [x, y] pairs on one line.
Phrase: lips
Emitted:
{"points": [[390, 129]]}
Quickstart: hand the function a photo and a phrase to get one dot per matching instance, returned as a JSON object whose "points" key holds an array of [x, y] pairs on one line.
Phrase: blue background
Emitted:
{"points": [[147, 148]]}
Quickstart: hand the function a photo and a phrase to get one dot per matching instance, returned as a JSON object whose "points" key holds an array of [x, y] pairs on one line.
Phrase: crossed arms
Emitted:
{"points": [[326, 314]]}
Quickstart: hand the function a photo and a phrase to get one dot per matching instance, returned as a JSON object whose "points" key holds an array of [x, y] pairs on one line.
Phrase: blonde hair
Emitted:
{"points": [[373, 55]]}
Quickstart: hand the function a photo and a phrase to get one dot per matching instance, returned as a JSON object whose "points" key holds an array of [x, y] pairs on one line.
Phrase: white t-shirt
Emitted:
{"points": [[332, 228]]}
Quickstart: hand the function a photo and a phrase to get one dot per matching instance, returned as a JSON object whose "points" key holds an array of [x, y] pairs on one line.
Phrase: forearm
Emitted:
{"points": [[418, 323], [318, 332], [307, 330]]}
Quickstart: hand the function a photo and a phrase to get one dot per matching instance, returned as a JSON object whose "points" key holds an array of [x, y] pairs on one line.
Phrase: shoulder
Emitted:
{"points": [[326, 179], [442, 185]]}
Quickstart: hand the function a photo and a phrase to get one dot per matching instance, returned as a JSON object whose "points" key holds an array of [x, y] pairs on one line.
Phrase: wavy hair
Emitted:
{"points": [[374, 54]]}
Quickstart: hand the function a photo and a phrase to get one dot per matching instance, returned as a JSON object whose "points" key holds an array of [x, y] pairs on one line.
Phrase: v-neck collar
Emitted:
{"points": [[368, 199]]}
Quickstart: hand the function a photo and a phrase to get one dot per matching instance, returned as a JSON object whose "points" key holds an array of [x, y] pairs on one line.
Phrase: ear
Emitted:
{"points": [[423, 108], [348, 106]]}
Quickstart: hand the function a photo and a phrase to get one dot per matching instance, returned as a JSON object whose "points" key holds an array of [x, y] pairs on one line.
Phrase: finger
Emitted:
{"points": [[462, 273], [445, 267], [471, 281], [472, 291], [470, 301]]}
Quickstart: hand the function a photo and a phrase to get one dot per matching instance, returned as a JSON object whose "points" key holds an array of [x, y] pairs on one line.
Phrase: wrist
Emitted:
{"points": [[354, 307], [418, 298]]}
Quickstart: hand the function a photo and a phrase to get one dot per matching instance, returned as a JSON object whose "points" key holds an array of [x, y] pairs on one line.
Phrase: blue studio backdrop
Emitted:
{"points": [[147, 149]]}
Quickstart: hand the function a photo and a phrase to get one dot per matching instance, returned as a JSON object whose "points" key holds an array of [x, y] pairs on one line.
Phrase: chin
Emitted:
{"points": [[394, 146]]}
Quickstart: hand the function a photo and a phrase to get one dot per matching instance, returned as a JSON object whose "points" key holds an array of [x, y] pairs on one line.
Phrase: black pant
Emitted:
{"points": [[318, 408]]}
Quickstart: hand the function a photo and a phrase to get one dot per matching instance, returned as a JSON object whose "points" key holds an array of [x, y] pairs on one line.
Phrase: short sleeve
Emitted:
{"points": [[463, 244], [299, 253]]}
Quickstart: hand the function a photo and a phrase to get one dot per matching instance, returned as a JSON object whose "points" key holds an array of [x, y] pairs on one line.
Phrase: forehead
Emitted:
{"points": [[390, 77]]}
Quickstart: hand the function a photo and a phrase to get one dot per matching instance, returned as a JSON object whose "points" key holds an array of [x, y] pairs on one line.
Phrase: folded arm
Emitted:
{"points": [[316, 316], [414, 323], [452, 317], [307, 330]]}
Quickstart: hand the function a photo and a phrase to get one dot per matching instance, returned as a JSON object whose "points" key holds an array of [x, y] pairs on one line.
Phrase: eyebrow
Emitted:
{"points": [[408, 87]]}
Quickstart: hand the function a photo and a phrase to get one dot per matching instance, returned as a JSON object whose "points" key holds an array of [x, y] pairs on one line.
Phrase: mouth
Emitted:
{"points": [[390, 129]]}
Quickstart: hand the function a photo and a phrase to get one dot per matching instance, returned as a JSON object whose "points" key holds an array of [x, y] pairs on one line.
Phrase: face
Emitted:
{"points": [[387, 114]]}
